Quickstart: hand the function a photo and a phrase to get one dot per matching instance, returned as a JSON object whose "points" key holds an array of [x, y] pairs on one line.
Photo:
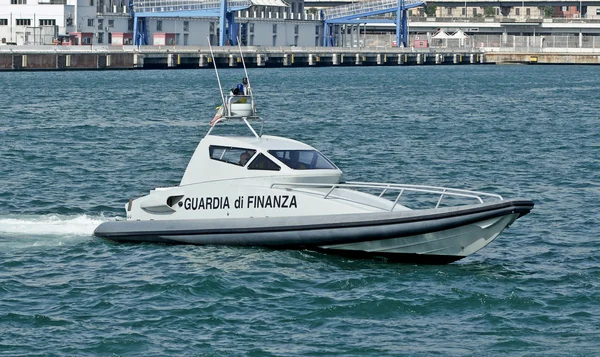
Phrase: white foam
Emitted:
{"points": [[50, 225]]}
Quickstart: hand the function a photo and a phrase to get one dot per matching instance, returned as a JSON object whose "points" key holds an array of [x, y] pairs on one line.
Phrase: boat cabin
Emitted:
{"points": [[220, 158]]}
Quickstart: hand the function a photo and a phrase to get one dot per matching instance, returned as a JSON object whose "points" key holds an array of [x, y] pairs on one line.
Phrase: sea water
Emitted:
{"points": [[75, 146]]}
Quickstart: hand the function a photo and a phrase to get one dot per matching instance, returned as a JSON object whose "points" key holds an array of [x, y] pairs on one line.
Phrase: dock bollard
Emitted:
{"points": [[379, 58], [334, 59], [286, 61], [471, 58], [418, 58], [438, 58], [357, 61], [455, 58], [231, 61], [311, 61], [202, 61]]}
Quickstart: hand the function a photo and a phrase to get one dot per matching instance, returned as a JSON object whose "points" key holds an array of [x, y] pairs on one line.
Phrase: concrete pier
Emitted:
{"points": [[19, 58], [23, 58]]}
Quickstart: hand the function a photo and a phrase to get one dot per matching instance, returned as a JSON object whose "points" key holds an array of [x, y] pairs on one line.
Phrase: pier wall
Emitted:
{"points": [[57, 58], [229, 57], [543, 58]]}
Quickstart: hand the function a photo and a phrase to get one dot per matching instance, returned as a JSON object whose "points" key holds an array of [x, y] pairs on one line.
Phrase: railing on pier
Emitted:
{"points": [[362, 7], [185, 5]]}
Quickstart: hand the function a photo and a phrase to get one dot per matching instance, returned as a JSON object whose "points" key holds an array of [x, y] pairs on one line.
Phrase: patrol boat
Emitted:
{"points": [[269, 191]]}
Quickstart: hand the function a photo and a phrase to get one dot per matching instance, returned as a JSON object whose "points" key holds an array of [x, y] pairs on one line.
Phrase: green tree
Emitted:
{"points": [[313, 10], [489, 11], [548, 11], [430, 10]]}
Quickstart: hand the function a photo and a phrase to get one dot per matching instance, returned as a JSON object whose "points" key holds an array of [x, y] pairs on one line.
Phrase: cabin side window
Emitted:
{"points": [[231, 155], [303, 159], [263, 163]]}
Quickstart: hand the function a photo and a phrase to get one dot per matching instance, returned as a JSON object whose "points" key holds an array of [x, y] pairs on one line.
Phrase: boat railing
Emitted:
{"points": [[400, 188], [238, 107]]}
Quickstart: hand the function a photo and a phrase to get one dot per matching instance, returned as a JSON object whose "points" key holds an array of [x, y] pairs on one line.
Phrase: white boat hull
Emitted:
{"points": [[428, 236], [447, 244]]}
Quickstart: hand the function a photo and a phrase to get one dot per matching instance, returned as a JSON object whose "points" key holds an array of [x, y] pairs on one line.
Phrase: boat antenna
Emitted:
{"points": [[216, 71], [248, 79]]}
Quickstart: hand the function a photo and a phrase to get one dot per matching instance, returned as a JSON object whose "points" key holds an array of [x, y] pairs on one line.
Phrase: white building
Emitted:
{"points": [[34, 22]]}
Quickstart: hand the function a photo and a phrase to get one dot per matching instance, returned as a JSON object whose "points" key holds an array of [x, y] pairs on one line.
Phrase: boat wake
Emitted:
{"points": [[50, 225]]}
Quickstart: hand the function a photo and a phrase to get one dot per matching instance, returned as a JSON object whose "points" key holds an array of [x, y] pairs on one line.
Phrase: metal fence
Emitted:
{"points": [[537, 43], [487, 42], [182, 5], [362, 7]]}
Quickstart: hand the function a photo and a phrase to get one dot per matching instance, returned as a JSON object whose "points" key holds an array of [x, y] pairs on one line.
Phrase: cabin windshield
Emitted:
{"points": [[231, 155], [303, 159]]}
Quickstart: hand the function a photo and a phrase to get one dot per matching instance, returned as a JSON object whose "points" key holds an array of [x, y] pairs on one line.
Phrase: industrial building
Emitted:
{"points": [[273, 22]]}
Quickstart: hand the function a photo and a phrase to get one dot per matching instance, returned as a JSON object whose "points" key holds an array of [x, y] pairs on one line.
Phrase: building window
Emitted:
{"points": [[565, 8], [317, 29], [23, 22], [86, 41], [100, 24], [211, 27], [90, 22], [109, 37], [18, 2], [274, 29], [49, 22], [111, 23], [464, 11], [296, 29], [517, 12], [474, 11], [449, 11], [130, 25], [3, 22], [528, 12], [251, 28], [177, 39], [274, 40], [186, 26], [186, 39], [91, 2], [159, 25], [598, 11], [100, 37]]}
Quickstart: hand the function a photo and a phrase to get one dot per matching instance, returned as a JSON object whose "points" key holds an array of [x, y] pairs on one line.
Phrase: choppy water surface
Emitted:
{"points": [[75, 146]]}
